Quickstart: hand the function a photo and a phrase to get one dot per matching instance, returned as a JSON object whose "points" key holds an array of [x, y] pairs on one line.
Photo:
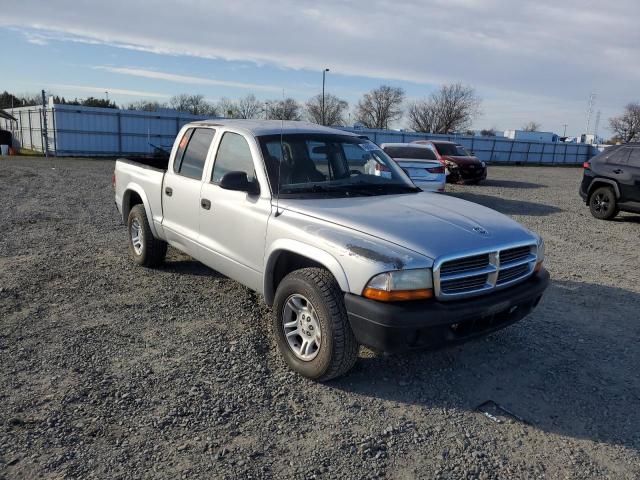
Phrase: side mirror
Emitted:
{"points": [[239, 181]]}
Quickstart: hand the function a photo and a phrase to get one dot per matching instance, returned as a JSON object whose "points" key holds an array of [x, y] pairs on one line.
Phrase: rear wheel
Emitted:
{"points": [[146, 249], [603, 203], [311, 327]]}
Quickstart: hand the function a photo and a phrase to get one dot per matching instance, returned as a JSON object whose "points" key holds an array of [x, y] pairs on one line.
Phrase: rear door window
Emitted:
{"points": [[192, 152], [634, 158], [619, 156]]}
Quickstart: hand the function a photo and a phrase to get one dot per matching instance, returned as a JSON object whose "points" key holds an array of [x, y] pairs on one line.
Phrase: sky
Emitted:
{"points": [[528, 60]]}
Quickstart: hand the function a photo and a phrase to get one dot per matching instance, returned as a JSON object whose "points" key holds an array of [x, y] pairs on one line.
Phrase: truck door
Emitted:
{"points": [[633, 187], [181, 189], [233, 224]]}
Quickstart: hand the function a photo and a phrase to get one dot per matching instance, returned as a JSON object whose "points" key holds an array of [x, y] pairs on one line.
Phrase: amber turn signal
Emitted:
{"points": [[397, 295], [538, 267]]}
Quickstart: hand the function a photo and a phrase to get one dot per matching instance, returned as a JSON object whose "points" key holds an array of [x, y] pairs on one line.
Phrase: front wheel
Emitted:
{"points": [[311, 327], [603, 203]]}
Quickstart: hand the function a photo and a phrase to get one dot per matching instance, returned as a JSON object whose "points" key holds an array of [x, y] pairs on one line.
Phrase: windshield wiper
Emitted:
{"points": [[326, 189], [315, 188], [377, 188]]}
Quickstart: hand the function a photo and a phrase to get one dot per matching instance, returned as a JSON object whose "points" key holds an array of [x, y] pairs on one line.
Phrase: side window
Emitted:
{"points": [[634, 158], [192, 152], [619, 157], [234, 155], [181, 148]]}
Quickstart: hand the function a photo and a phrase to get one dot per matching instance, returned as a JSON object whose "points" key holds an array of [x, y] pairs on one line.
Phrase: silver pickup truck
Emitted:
{"points": [[344, 257]]}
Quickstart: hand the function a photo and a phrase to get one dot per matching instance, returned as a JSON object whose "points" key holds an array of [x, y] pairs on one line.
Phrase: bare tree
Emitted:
{"points": [[334, 109], [627, 125], [249, 107], [379, 107], [287, 109], [488, 132], [145, 106], [531, 126], [451, 108], [226, 107], [193, 104]]}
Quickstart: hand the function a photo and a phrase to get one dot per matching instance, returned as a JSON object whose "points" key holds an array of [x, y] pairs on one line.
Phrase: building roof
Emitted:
{"points": [[270, 127]]}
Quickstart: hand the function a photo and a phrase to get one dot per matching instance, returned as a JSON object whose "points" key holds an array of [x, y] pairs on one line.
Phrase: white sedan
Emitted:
{"points": [[420, 163]]}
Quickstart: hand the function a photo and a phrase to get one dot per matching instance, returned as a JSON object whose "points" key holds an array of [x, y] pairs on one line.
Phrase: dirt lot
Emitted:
{"points": [[113, 371]]}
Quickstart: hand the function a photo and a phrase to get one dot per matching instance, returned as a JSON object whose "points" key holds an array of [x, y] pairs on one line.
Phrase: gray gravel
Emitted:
{"points": [[109, 370]]}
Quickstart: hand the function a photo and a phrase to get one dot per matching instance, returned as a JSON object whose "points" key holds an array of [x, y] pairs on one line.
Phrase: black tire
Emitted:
{"points": [[338, 349], [151, 251], [603, 203]]}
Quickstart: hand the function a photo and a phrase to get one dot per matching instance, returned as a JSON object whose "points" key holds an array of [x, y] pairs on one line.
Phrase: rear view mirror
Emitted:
{"points": [[239, 181]]}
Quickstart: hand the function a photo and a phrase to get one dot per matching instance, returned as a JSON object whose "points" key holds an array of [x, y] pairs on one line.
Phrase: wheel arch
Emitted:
{"points": [[603, 182], [286, 256], [134, 195]]}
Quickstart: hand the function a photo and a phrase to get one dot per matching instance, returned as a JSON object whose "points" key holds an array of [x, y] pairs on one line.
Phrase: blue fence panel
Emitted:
{"points": [[493, 149]]}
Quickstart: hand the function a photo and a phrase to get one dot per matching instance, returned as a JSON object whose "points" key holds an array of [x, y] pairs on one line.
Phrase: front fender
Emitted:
{"points": [[313, 253]]}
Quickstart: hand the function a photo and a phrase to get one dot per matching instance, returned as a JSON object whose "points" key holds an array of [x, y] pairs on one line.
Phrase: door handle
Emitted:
{"points": [[168, 191], [206, 204], [617, 170]]}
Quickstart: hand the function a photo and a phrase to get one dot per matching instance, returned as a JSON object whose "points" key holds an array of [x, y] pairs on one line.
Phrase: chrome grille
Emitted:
{"points": [[513, 254], [512, 273], [481, 272], [464, 264], [463, 284]]}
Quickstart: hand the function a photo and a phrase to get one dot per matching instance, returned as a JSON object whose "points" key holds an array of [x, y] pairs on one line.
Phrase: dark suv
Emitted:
{"points": [[611, 181]]}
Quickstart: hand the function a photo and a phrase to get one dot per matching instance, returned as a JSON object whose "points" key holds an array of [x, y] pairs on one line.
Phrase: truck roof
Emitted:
{"points": [[270, 127]]}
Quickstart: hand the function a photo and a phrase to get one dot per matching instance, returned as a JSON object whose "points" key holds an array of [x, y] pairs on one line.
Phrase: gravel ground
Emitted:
{"points": [[109, 370]]}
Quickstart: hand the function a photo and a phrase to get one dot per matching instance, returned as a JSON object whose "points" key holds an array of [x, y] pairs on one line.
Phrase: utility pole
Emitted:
{"points": [[324, 72], [592, 99], [595, 129], [45, 135]]}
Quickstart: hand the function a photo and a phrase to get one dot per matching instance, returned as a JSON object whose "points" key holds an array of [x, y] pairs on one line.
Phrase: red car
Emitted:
{"points": [[463, 167]]}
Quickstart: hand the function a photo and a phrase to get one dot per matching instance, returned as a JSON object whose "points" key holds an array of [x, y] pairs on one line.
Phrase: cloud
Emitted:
{"points": [[557, 50], [187, 79], [102, 90]]}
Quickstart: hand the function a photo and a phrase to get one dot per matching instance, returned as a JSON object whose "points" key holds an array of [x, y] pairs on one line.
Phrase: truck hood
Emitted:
{"points": [[430, 224]]}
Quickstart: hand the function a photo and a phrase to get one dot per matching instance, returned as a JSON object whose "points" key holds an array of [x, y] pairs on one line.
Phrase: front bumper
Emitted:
{"points": [[473, 174], [393, 327]]}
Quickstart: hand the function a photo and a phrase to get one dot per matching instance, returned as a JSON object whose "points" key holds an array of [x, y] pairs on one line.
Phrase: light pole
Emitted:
{"points": [[564, 134], [324, 72]]}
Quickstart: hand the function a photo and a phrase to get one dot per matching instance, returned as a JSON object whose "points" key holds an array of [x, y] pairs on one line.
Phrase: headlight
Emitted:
{"points": [[483, 164], [540, 253], [451, 165], [399, 285]]}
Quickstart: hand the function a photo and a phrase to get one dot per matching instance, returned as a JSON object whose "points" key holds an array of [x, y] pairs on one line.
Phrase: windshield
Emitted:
{"points": [[462, 152], [330, 165], [419, 153], [451, 149]]}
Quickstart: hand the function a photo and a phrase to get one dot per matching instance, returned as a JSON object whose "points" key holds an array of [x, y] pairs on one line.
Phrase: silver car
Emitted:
{"points": [[420, 163], [343, 257]]}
